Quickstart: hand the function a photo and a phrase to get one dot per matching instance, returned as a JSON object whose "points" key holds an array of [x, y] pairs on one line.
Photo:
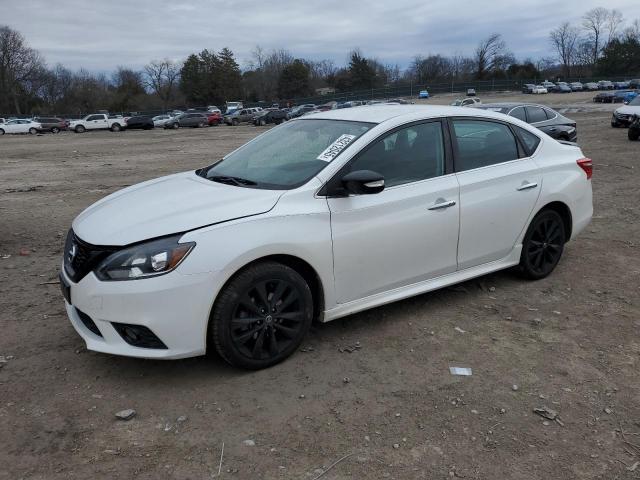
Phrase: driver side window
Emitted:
{"points": [[407, 155]]}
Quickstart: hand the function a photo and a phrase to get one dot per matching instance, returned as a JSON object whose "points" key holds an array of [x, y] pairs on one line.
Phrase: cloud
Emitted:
{"points": [[99, 36]]}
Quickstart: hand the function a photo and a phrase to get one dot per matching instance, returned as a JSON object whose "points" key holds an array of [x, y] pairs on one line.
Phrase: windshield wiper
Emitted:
{"points": [[238, 181]]}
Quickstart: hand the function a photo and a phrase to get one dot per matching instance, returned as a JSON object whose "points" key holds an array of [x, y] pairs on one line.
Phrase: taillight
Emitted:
{"points": [[587, 165]]}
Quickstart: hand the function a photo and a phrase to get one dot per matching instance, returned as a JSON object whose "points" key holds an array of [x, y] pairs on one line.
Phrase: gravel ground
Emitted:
{"points": [[568, 343]]}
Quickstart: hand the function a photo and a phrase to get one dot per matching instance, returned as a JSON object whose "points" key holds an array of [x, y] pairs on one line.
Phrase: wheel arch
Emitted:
{"points": [[301, 266], [564, 211]]}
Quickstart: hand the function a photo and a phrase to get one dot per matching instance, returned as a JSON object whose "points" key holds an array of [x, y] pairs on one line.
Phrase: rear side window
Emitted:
{"points": [[529, 140], [518, 113], [536, 114], [481, 143]]}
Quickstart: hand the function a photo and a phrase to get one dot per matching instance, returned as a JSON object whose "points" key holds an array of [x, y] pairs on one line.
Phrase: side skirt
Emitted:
{"points": [[344, 309]]}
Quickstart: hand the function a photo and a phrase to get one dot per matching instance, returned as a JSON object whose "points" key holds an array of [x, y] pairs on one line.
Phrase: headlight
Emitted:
{"points": [[145, 260]]}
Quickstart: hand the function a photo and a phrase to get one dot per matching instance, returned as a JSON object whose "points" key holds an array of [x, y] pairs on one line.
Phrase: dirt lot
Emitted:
{"points": [[569, 342]]}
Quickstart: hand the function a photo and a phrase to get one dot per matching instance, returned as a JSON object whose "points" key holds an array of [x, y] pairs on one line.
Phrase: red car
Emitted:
{"points": [[214, 118]]}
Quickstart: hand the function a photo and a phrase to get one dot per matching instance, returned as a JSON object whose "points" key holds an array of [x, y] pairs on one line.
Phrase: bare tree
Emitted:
{"points": [[633, 31], [489, 52], [20, 68], [595, 22], [614, 21], [565, 39], [162, 78]]}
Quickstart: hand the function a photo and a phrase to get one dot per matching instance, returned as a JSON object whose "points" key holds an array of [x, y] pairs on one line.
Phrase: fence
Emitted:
{"points": [[407, 90]]}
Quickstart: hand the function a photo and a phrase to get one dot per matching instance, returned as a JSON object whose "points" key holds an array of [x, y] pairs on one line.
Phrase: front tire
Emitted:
{"points": [[80, 129], [55, 130], [33, 131], [633, 134], [261, 316], [543, 245], [116, 127], [1, 131]]}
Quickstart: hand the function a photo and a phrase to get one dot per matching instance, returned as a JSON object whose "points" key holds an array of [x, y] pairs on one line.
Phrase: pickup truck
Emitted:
{"points": [[98, 121]]}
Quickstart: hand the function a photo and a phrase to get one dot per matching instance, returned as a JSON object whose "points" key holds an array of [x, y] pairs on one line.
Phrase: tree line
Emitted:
{"points": [[600, 45]]}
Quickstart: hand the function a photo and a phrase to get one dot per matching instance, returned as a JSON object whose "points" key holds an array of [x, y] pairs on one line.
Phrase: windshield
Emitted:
{"points": [[635, 102], [286, 156]]}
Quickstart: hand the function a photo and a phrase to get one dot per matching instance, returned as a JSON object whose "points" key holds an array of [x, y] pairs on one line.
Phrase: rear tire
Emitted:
{"points": [[263, 122], [55, 130], [80, 129], [33, 131], [543, 245], [116, 127], [1, 131], [176, 126], [235, 122], [261, 316]]}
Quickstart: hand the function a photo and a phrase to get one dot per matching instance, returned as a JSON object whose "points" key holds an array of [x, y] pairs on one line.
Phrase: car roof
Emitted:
{"points": [[511, 105], [381, 113]]}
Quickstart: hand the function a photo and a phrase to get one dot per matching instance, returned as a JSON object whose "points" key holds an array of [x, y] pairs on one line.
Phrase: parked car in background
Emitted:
{"points": [[466, 102], [423, 94], [630, 95], [272, 115], [576, 86], [635, 83], [634, 129], [214, 109], [591, 86], [240, 116], [550, 86], [543, 118], [540, 90], [302, 109], [98, 121], [471, 92], [159, 120], [51, 124], [528, 88], [621, 85], [562, 87], [604, 97], [623, 116], [320, 218], [605, 85], [143, 122], [20, 125], [214, 118], [232, 107], [195, 120]]}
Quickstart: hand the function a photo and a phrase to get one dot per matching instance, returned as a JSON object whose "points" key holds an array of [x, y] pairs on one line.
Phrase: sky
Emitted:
{"points": [[100, 35]]}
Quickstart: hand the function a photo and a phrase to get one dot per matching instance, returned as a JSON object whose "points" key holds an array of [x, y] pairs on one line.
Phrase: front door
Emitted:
{"points": [[408, 232]]}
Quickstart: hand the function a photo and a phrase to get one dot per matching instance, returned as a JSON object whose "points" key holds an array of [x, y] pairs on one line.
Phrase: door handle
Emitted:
{"points": [[442, 204], [526, 186]]}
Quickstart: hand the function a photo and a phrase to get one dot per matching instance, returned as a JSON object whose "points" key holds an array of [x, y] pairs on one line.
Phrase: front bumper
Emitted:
{"points": [[174, 307], [624, 120]]}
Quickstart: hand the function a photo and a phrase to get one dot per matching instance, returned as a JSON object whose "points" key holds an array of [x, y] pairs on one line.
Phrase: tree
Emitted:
{"points": [[490, 55], [614, 21], [162, 78], [564, 40], [620, 56], [20, 67], [362, 74], [128, 86], [594, 22], [229, 77], [192, 80], [294, 80]]}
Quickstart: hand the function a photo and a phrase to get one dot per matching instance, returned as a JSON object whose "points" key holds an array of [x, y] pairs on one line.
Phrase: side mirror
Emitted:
{"points": [[363, 182]]}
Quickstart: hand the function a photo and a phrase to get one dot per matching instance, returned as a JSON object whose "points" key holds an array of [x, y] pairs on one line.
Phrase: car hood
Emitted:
{"points": [[629, 110], [168, 205]]}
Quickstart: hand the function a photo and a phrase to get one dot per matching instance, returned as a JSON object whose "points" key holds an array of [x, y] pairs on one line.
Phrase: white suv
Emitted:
{"points": [[320, 217]]}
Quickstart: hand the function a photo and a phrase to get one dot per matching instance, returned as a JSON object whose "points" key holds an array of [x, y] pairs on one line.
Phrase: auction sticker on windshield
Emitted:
{"points": [[336, 147]]}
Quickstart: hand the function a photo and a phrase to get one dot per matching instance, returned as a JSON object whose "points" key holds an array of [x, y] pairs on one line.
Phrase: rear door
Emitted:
{"points": [[499, 187], [408, 232]]}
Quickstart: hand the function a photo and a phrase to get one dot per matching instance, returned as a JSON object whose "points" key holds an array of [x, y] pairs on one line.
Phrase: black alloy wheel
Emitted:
{"points": [[543, 245], [261, 316]]}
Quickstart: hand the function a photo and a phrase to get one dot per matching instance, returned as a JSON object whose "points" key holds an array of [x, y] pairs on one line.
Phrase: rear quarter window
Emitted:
{"points": [[529, 141]]}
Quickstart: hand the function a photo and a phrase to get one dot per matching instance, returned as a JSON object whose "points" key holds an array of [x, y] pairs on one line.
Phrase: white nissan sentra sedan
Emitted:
{"points": [[320, 217]]}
